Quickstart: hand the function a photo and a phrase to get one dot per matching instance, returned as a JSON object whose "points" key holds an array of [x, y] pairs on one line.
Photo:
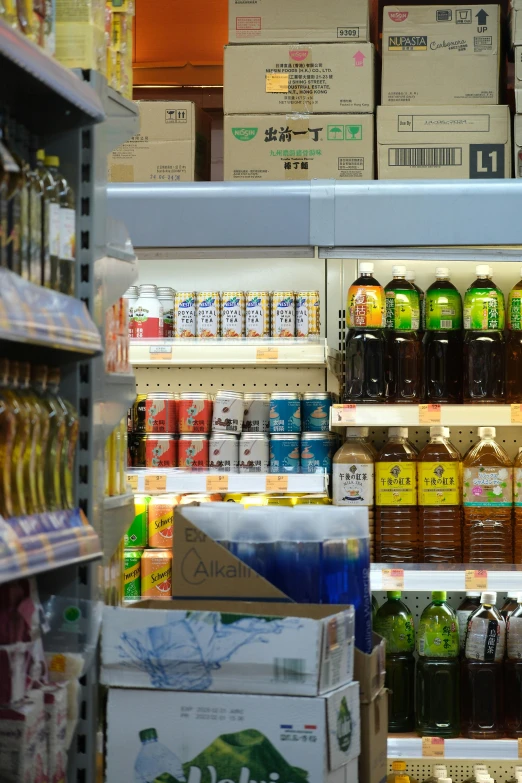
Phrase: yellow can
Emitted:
{"points": [[307, 314], [257, 314], [161, 520]]}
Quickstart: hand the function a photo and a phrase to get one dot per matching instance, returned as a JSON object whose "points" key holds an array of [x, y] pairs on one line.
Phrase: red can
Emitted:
{"points": [[160, 451], [193, 451], [194, 412], [160, 413]]}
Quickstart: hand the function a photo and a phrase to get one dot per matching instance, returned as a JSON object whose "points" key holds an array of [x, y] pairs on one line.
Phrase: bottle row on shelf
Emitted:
{"points": [[157, 312], [404, 346], [399, 774], [465, 680]]}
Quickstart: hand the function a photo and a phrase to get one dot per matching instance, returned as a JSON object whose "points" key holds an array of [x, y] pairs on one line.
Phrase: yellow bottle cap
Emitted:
{"points": [[40, 155], [52, 160], [399, 766]]}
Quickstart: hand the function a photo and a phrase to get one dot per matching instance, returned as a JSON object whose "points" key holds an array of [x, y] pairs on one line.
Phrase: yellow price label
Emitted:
{"points": [[276, 82], [276, 483], [156, 482], [429, 414], [344, 414], [476, 580], [393, 579], [132, 481], [433, 746], [520, 747], [160, 352], [217, 483], [267, 354], [516, 413]]}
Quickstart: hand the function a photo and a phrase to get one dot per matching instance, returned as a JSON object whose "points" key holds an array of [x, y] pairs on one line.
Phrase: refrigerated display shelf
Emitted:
{"points": [[446, 576], [180, 482], [114, 394], [41, 93], [482, 750], [351, 415], [222, 352]]}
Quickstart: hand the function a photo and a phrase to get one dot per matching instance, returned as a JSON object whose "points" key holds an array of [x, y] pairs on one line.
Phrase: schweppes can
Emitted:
{"points": [[132, 574]]}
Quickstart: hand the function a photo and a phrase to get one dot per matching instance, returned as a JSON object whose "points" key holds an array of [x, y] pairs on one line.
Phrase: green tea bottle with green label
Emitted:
{"points": [[437, 675], [394, 622], [410, 277], [403, 368], [514, 344], [442, 343], [484, 343]]}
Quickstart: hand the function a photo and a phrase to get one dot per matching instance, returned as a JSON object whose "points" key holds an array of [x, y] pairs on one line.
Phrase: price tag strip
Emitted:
{"points": [[276, 483], [157, 352], [156, 482], [476, 580], [217, 483], [433, 746], [344, 414], [516, 413], [392, 579], [429, 414], [267, 354], [132, 481]]}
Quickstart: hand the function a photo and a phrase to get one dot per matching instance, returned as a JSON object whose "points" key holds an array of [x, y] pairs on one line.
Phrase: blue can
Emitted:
{"points": [[315, 410], [285, 454], [317, 449], [285, 412]]}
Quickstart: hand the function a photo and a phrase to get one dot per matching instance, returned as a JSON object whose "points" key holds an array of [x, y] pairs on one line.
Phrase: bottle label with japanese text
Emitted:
{"points": [[436, 640], [514, 310], [485, 640], [396, 483], [484, 309], [399, 633], [353, 484], [488, 486], [402, 310], [514, 638], [366, 307], [439, 483], [443, 310], [517, 487]]}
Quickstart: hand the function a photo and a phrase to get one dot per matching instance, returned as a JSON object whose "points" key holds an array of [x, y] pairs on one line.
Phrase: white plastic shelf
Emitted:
{"points": [[118, 513], [448, 576], [414, 415], [222, 352], [180, 482], [411, 748]]}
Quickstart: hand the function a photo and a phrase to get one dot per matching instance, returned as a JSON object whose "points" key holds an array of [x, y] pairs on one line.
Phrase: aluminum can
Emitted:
{"points": [[285, 454], [223, 453], [160, 519], [193, 451], [208, 314], [315, 411], [132, 574], [283, 314], [257, 412], [184, 314], [160, 412], [317, 450], [307, 314], [166, 297], [161, 451], [132, 296], [156, 573], [148, 314], [254, 453], [194, 412], [285, 412], [136, 535], [229, 411], [232, 314], [257, 314]]}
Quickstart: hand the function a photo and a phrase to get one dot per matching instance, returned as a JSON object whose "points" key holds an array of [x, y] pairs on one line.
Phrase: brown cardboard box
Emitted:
{"points": [[440, 55], [518, 144], [279, 79], [444, 142], [370, 670], [518, 74], [271, 21], [292, 147], [374, 736], [173, 145], [515, 22]]}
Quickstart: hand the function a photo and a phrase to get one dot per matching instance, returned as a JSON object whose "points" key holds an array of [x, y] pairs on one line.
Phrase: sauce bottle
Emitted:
{"points": [[398, 773], [67, 252], [54, 196], [50, 215], [488, 501], [397, 535], [440, 512], [404, 349], [442, 343], [55, 443], [514, 344], [365, 340], [517, 508]]}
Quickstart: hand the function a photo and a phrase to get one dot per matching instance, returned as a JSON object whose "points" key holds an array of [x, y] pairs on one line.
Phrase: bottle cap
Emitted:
{"points": [[487, 432], [489, 598], [366, 266], [393, 594], [40, 155], [398, 766], [398, 432], [482, 270], [52, 160], [148, 734], [398, 271], [438, 595], [439, 430], [480, 768], [514, 594], [473, 593], [357, 432], [442, 271], [410, 275], [440, 768], [444, 780]]}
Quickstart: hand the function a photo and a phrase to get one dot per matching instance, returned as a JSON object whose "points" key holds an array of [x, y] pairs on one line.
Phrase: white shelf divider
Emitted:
{"points": [[448, 576], [181, 482], [417, 415], [411, 748]]}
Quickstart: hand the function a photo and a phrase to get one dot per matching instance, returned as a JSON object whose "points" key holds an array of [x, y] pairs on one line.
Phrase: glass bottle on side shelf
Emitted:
{"points": [[57, 430]]}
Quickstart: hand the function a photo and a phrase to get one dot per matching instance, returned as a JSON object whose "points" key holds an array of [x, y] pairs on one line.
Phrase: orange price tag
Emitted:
{"points": [[276, 483], [520, 747], [132, 481], [392, 579], [217, 483], [433, 746], [267, 354], [344, 414], [516, 413], [429, 414], [157, 352], [156, 482], [476, 580]]}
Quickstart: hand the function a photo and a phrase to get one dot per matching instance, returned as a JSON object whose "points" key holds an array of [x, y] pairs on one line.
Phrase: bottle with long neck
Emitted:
{"points": [[442, 342], [14, 207], [397, 535], [437, 672], [365, 340], [484, 345], [50, 221], [9, 184], [488, 501], [36, 204], [513, 672], [20, 444], [9, 420], [72, 424], [394, 622], [517, 507], [20, 384], [22, 261], [440, 514], [404, 349], [56, 438], [482, 697]]}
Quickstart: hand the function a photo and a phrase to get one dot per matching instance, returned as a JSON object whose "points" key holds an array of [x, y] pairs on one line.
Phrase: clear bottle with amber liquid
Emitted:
{"points": [[39, 437], [23, 394], [72, 425], [8, 423], [55, 444], [9, 184], [21, 439]]}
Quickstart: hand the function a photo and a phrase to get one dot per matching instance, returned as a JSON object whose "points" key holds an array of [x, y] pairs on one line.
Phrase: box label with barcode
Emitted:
{"points": [[425, 157], [289, 670]]}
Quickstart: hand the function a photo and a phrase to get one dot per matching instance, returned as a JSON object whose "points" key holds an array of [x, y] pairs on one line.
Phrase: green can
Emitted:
{"points": [[132, 574], [136, 535]]}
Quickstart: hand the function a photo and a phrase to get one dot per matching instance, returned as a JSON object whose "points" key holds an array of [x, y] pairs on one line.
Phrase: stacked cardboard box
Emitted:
{"points": [[298, 110], [440, 90], [370, 672], [516, 40]]}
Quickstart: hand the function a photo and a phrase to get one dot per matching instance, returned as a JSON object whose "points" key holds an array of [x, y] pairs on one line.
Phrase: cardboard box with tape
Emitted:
{"points": [[280, 79], [440, 55], [270, 21], [295, 147], [173, 145], [443, 142]]}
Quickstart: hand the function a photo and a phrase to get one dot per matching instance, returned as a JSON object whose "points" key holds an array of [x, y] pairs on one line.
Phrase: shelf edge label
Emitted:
{"points": [[433, 746], [516, 413], [156, 482], [344, 414], [160, 352], [217, 483], [132, 481], [430, 414], [267, 354], [392, 579], [276, 483], [476, 579]]}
